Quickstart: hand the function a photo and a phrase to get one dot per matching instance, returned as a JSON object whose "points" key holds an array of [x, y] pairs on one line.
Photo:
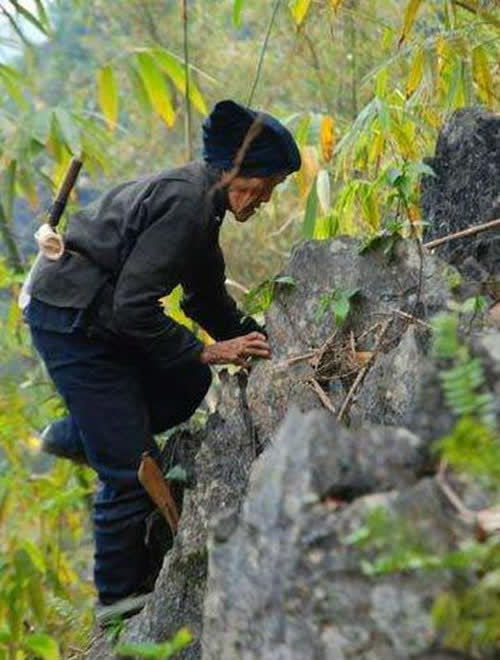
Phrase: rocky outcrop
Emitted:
{"points": [[466, 191], [268, 563], [287, 583], [385, 289]]}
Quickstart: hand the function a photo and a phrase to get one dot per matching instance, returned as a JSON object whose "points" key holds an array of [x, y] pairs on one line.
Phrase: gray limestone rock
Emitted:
{"points": [[294, 327], [288, 583]]}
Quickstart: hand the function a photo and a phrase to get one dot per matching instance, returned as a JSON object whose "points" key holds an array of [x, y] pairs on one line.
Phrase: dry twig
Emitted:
{"points": [[364, 370], [476, 229], [322, 395]]}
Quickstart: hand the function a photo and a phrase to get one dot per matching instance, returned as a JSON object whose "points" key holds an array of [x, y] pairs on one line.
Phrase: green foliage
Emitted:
{"points": [[258, 299], [473, 448], [386, 239], [44, 541], [467, 616], [338, 303], [463, 381], [181, 640]]}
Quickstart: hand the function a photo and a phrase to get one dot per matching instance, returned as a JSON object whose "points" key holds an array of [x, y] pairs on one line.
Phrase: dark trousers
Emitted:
{"points": [[117, 400]]}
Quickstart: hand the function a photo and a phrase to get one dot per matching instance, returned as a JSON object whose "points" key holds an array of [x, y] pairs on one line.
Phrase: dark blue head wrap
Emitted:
{"points": [[271, 151]]}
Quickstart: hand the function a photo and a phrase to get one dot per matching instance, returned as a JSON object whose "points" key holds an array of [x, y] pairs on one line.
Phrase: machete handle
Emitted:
{"points": [[59, 204], [158, 489]]}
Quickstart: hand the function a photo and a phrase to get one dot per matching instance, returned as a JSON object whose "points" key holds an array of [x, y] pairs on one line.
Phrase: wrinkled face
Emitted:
{"points": [[246, 194]]}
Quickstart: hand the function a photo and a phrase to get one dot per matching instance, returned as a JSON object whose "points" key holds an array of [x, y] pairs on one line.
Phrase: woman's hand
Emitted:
{"points": [[235, 351]]}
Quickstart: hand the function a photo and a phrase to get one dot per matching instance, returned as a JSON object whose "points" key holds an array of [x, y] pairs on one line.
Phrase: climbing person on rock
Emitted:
{"points": [[125, 369]]}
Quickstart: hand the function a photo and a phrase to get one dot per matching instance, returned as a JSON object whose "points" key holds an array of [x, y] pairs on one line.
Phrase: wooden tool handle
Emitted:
{"points": [[158, 489], [65, 188]]}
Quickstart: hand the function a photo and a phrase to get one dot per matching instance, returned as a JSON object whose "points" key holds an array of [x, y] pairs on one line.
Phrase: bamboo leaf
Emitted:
{"points": [[107, 94], [323, 191], [409, 18], [327, 137], [177, 74], [140, 93], [68, 130], [11, 80], [237, 8], [299, 9], [302, 131], [416, 73], [44, 646], [156, 87], [335, 4], [42, 14], [481, 74], [31, 18], [310, 213], [8, 187]]}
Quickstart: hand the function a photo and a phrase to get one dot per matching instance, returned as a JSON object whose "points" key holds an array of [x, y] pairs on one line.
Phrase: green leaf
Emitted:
{"points": [[302, 131], [140, 93], [68, 130], [310, 213], [323, 191], [286, 280], [156, 87], [44, 646], [11, 80], [8, 188], [237, 8], [34, 553], [175, 70], [299, 9], [177, 473], [107, 94], [31, 18], [40, 125]]}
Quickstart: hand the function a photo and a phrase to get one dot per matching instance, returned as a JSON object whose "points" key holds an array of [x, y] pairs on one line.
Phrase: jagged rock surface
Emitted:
{"points": [[287, 583], [384, 285], [275, 575], [466, 191]]}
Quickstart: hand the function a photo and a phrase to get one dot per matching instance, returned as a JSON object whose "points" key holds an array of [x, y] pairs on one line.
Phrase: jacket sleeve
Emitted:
{"points": [[208, 303], [151, 271]]}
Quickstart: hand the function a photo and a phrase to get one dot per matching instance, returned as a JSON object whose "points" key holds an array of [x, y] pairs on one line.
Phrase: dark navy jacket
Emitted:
{"points": [[131, 247]]}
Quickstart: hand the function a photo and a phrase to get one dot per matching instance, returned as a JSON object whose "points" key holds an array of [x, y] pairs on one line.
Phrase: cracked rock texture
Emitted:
{"points": [[265, 566], [466, 191]]}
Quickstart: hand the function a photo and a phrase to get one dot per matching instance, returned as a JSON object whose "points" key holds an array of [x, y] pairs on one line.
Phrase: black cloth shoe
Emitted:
{"points": [[50, 445]]}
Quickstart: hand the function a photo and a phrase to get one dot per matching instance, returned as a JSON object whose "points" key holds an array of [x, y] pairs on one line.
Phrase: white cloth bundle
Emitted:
{"points": [[50, 243]]}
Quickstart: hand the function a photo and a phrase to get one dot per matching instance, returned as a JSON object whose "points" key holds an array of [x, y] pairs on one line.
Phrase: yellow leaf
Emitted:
{"points": [[432, 117], [307, 173], [327, 137], [335, 4], [107, 95], [409, 18], [481, 74], [299, 9], [376, 148], [416, 73]]}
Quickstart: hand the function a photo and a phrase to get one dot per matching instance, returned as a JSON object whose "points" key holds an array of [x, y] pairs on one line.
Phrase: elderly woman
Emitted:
{"points": [[126, 370]]}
